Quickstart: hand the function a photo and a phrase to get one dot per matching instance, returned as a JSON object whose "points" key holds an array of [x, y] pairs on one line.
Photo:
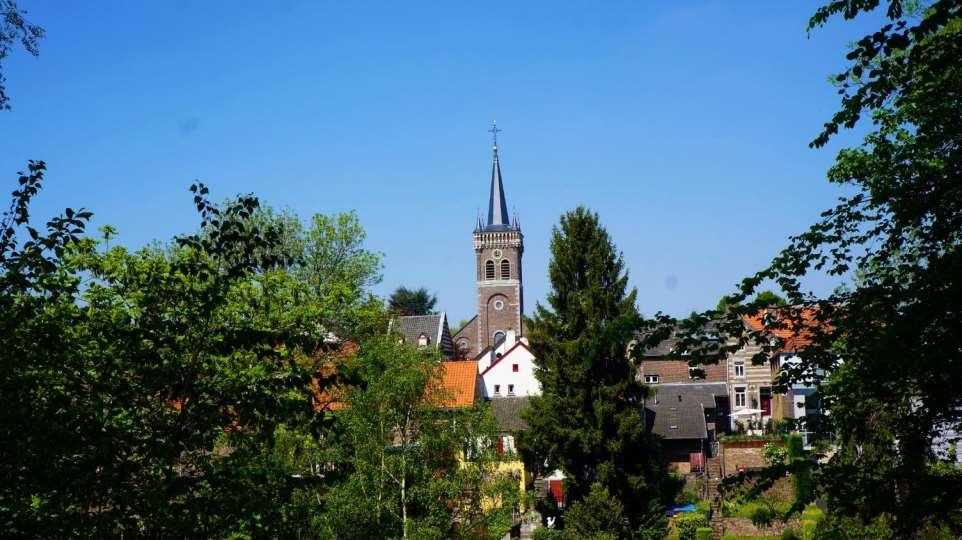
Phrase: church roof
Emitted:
{"points": [[497, 205]]}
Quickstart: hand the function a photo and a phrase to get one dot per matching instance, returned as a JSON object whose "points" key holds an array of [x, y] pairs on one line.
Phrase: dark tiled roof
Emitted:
{"points": [[667, 347], [507, 410], [684, 418], [434, 327]]}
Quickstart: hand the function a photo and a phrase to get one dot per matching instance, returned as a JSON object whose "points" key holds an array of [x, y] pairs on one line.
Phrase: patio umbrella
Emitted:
{"points": [[747, 412]]}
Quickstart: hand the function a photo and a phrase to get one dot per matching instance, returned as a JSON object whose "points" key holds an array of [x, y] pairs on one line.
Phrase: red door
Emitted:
{"points": [[766, 405], [557, 491]]}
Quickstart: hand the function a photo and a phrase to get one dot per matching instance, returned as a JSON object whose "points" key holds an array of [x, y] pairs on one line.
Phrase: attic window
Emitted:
{"points": [[423, 340], [514, 368]]}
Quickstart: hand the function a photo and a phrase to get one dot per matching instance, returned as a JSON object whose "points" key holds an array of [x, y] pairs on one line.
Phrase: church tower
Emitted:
{"points": [[498, 245]]}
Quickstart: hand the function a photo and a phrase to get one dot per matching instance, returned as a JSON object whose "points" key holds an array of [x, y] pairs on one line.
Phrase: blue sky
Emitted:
{"points": [[685, 125]]}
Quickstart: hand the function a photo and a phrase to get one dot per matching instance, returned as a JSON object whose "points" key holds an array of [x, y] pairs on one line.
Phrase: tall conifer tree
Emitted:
{"points": [[588, 421]]}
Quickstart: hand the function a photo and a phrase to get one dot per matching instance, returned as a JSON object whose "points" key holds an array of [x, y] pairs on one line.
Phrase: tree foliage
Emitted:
{"points": [[140, 401], [580, 341], [410, 467], [15, 28], [171, 391], [880, 348], [412, 301]]}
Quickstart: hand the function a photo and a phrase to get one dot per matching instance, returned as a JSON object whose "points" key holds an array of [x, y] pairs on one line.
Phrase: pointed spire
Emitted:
{"points": [[497, 206]]}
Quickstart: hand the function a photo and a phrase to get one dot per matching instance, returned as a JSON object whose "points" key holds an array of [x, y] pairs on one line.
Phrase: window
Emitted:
{"points": [[739, 368], [497, 389], [508, 443], [652, 379], [514, 368], [505, 269], [510, 389], [498, 337], [695, 372], [423, 341], [499, 305], [739, 396], [489, 270]]}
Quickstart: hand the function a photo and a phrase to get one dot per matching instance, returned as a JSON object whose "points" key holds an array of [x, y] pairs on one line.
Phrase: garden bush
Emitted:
{"points": [[762, 516], [703, 533], [687, 524], [796, 449]]}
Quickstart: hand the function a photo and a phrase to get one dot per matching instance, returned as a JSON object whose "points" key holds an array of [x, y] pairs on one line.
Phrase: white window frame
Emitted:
{"points": [[739, 364], [652, 379], [497, 389], [740, 393]]}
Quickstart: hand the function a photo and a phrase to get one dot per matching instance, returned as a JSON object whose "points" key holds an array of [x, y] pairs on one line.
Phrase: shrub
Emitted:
{"points": [[847, 528], [774, 454], [544, 533], [703, 533], [762, 516], [687, 524], [796, 449], [803, 484], [790, 534]]}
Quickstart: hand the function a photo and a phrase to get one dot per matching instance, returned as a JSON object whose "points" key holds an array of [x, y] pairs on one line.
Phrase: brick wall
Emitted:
{"points": [[747, 454]]}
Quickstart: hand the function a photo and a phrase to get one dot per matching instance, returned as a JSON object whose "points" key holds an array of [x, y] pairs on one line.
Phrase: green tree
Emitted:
{"points": [[14, 27], [599, 516], [580, 340], [900, 231], [142, 400], [410, 465], [764, 298], [412, 301]]}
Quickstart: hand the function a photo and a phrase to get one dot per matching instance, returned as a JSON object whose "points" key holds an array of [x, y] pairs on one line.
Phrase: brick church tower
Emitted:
{"points": [[498, 246]]}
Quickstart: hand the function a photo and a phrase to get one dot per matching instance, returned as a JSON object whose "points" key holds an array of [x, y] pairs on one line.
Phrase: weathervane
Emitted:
{"points": [[494, 132]]}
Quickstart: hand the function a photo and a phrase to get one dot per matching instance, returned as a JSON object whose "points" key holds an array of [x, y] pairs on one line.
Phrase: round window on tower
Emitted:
{"points": [[499, 305], [497, 254]]}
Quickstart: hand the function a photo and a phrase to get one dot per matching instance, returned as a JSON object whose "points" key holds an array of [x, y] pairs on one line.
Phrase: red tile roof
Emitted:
{"points": [[793, 339], [459, 384]]}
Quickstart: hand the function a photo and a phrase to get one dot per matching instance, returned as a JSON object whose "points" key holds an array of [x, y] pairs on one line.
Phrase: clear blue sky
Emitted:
{"points": [[685, 125]]}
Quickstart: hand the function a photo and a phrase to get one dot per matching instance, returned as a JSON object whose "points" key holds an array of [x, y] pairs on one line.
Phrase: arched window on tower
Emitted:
{"points": [[505, 269], [489, 270]]}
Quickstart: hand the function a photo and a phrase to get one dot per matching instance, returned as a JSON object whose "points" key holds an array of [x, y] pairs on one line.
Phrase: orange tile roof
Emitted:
{"points": [[459, 383], [332, 398], [793, 339]]}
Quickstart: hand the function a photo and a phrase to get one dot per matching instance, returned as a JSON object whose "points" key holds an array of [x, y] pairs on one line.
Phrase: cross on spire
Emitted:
{"points": [[494, 132]]}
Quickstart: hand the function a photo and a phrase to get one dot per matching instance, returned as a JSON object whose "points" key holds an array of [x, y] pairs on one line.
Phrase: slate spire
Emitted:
{"points": [[497, 206]]}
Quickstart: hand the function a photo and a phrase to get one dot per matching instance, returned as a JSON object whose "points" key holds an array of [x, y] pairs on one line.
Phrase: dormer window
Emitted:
{"points": [[423, 340]]}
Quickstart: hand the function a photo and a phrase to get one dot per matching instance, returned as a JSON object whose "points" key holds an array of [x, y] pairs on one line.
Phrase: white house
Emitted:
{"points": [[508, 369]]}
